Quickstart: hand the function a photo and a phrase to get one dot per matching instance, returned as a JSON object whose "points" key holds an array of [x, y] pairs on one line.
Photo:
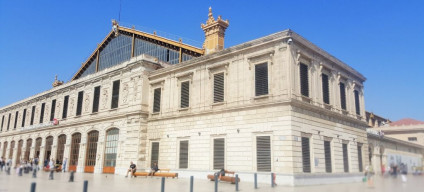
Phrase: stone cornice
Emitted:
{"points": [[397, 141]]}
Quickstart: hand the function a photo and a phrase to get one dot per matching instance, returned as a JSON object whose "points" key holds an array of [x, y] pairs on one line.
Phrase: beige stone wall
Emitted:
{"points": [[405, 136]]}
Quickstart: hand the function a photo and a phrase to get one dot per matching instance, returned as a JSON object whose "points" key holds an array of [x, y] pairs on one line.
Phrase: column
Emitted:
{"points": [[32, 150], [54, 148], [42, 152], [82, 151], [98, 168]]}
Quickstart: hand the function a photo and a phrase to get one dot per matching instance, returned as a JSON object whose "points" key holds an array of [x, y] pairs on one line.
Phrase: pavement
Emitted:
{"points": [[111, 183]]}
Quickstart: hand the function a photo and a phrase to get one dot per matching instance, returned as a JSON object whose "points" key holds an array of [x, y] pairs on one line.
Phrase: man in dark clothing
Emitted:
{"points": [[132, 169], [154, 169]]}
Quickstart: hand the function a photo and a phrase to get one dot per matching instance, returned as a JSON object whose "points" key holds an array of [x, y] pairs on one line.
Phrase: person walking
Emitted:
{"points": [[65, 161], [1, 164]]}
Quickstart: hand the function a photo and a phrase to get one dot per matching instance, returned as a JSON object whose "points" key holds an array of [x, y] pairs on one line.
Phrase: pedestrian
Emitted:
{"points": [[369, 173], [1, 164], [51, 164], [65, 161]]}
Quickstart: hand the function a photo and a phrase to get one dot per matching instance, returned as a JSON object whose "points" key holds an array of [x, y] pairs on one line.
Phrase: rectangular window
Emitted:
{"points": [[156, 100], [306, 155], [16, 120], [325, 89], [360, 157], [218, 88], [345, 158], [65, 107], [115, 94], [23, 118], [263, 153], [96, 99], [8, 121], [183, 154], [358, 110], [219, 153], [43, 106], [261, 79], [185, 94], [53, 109], [342, 95], [79, 102], [327, 153], [155, 153], [2, 121], [32, 115], [304, 83], [409, 138]]}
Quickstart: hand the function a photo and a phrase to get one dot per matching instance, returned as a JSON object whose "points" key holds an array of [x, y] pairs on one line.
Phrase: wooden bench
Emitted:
{"points": [[229, 177], [160, 173], [59, 169]]}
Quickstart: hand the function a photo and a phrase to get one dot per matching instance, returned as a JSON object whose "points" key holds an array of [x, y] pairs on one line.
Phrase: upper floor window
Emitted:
{"points": [[32, 115], [8, 122], [261, 79], [43, 106], [115, 94], [185, 94], [357, 106], [2, 121], [23, 118], [16, 120], [342, 95], [325, 89], [218, 87], [96, 99], [412, 138], [79, 102], [156, 100], [304, 82], [65, 107], [53, 109]]}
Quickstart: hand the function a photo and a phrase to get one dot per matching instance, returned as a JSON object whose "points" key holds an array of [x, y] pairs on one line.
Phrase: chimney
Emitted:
{"points": [[214, 33]]}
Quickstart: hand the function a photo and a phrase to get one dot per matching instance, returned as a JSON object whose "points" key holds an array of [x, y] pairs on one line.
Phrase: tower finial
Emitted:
{"points": [[214, 33]]}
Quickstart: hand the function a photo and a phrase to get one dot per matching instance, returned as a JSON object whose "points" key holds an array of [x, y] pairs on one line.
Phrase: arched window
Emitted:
{"points": [[48, 149], [18, 155], [12, 145], [60, 147], [28, 149], [37, 147], [75, 145], [90, 158], [111, 150], [4, 149]]}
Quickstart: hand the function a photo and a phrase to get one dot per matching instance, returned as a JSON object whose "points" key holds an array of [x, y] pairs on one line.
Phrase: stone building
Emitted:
{"points": [[275, 104]]}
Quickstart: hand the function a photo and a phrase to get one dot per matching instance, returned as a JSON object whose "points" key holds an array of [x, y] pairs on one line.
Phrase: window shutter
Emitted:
{"points": [[32, 115], [96, 99], [263, 153], [342, 95], [345, 158], [327, 152], [183, 154], [218, 88], [43, 106], [52, 110], [115, 94], [8, 121], [358, 111], [360, 157], [23, 117], [306, 155], [304, 84], [16, 119], [325, 89], [155, 153], [185, 94], [219, 153], [261, 79], [2, 121], [79, 102], [65, 107], [156, 100]]}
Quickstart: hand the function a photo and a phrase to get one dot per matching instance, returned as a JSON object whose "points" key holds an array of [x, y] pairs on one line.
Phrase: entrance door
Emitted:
{"points": [[75, 145], [28, 149], [60, 147], [111, 149], [12, 145], [37, 147], [90, 157], [48, 153], [4, 149], [18, 155]]}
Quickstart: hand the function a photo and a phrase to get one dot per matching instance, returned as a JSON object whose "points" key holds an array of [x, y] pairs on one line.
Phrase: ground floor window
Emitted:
{"points": [[183, 159], [111, 149], [360, 157], [155, 153], [219, 153], [306, 155], [263, 153], [345, 158], [327, 153]]}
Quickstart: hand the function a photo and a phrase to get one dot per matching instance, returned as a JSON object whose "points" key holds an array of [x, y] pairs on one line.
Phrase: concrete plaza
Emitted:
{"points": [[103, 182]]}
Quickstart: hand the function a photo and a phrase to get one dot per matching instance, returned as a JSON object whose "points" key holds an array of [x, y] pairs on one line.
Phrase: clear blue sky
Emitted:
{"points": [[382, 39]]}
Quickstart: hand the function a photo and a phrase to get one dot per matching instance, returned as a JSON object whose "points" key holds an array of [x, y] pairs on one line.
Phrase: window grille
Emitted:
{"points": [[325, 89], [345, 158], [219, 153], [53, 109], [111, 151], [156, 100], [357, 107], [96, 99], [79, 103], [327, 153], [342, 95], [61, 147], [218, 88], [263, 153], [304, 84], [155, 153], [75, 146], [8, 121], [261, 79], [360, 157], [115, 94], [306, 155], [65, 107], [16, 119], [185, 94], [90, 158], [183, 154], [23, 118], [32, 115]]}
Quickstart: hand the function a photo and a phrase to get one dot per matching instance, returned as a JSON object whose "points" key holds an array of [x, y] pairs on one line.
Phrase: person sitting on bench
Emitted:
{"points": [[220, 173], [154, 169], [132, 169]]}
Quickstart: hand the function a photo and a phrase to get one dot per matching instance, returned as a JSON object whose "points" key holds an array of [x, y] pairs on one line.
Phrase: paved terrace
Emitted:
{"points": [[110, 183]]}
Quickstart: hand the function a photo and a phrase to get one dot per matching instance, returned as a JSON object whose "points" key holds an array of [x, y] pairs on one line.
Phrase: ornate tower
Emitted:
{"points": [[214, 33]]}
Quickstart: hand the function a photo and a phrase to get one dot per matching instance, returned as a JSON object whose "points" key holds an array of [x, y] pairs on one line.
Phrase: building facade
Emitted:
{"points": [[275, 104]]}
